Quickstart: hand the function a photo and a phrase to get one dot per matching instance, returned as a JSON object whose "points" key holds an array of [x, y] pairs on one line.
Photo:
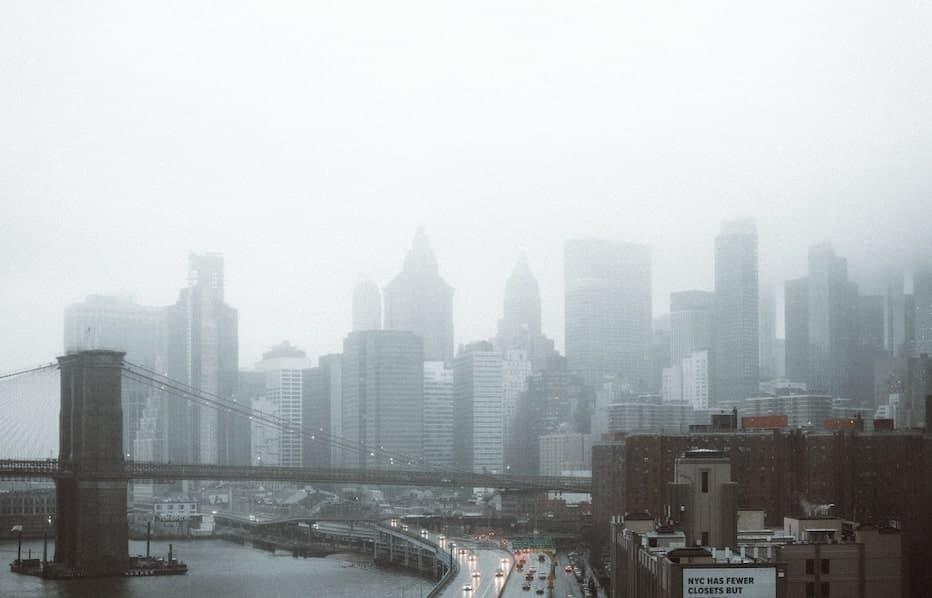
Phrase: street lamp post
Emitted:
{"points": [[45, 543], [19, 543]]}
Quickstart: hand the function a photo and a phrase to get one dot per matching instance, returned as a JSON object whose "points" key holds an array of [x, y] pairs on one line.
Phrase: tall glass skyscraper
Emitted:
{"points": [[203, 352], [608, 309], [922, 308], [832, 322], [438, 414], [690, 323], [478, 409], [284, 367], [736, 368], [383, 397]]}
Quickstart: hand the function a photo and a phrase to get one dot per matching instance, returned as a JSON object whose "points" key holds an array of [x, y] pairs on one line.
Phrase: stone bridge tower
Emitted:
{"points": [[91, 496]]}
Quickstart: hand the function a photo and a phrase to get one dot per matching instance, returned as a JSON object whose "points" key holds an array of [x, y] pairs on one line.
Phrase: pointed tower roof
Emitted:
{"points": [[421, 256]]}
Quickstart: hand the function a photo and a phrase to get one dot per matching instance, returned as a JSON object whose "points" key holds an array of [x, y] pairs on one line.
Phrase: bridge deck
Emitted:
{"points": [[50, 468]]}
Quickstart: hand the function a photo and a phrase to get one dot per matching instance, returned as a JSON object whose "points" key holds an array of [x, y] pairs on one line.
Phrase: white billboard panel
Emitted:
{"points": [[746, 582]]}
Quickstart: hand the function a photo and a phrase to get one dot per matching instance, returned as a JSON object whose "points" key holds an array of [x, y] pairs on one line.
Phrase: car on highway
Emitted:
{"points": [[499, 573], [568, 569], [540, 589], [525, 586], [467, 588], [475, 573]]}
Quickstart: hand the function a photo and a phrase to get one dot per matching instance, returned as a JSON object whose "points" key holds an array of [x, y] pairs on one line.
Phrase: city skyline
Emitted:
{"points": [[306, 190], [527, 298], [870, 280]]}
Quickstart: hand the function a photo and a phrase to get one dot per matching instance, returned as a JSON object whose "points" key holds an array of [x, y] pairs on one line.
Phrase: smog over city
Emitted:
{"points": [[573, 299]]}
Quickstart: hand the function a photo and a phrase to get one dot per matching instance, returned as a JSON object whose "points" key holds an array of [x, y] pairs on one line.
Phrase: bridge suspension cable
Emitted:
{"points": [[29, 411], [144, 375], [31, 370]]}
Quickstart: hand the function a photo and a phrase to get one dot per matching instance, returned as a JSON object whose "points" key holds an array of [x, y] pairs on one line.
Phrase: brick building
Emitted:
{"points": [[608, 456], [878, 479]]}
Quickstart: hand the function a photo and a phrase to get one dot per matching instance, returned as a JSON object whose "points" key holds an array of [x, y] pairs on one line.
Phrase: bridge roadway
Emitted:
{"points": [[49, 468]]}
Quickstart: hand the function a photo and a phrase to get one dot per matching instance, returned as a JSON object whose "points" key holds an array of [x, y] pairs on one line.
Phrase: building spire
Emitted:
{"points": [[421, 256]]}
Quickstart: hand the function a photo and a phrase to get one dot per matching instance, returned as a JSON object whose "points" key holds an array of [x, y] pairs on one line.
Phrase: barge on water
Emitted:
{"points": [[136, 566], [139, 566]]}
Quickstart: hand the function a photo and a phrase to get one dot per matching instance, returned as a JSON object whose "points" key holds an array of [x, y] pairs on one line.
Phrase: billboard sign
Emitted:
{"points": [[746, 582]]}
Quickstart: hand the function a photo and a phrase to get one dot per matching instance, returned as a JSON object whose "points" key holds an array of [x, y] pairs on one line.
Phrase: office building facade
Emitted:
{"points": [[203, 352], [284, 367], [478, 409], [796, 321], [608, 310], [438, 414], [322, 413], [832, 316], [735, 330], [690, 323], [382, 398]]}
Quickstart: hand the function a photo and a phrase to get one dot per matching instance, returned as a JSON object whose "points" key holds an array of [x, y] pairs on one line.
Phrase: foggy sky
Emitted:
{"points": [[307, 141]]}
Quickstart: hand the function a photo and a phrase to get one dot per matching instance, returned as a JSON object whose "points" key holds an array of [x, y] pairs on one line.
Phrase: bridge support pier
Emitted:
{"points": [[92, 523]]}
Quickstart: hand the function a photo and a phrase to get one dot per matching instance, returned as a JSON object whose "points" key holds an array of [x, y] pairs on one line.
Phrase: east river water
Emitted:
{"points": [[224, 569]]}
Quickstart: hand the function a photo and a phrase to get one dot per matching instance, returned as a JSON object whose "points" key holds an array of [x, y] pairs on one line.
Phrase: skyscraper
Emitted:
{"points": [[438, 414], [283, 366], [696, 379], [321, 388], [608, 309], [922, 309], [767, 333], [520, 326], [555, 401], [894, 313], [796, 321], [420, 301], [516, 368], [383, 397], [203, 352], [690, 323], [867, 349], [832, 322], [522, 302], [264, 438], [478, 410], [736, 367], [367, 306]]}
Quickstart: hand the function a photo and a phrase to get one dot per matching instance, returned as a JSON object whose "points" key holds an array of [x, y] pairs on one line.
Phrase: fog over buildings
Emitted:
{"points": [[123, 153], [625, 251]]}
